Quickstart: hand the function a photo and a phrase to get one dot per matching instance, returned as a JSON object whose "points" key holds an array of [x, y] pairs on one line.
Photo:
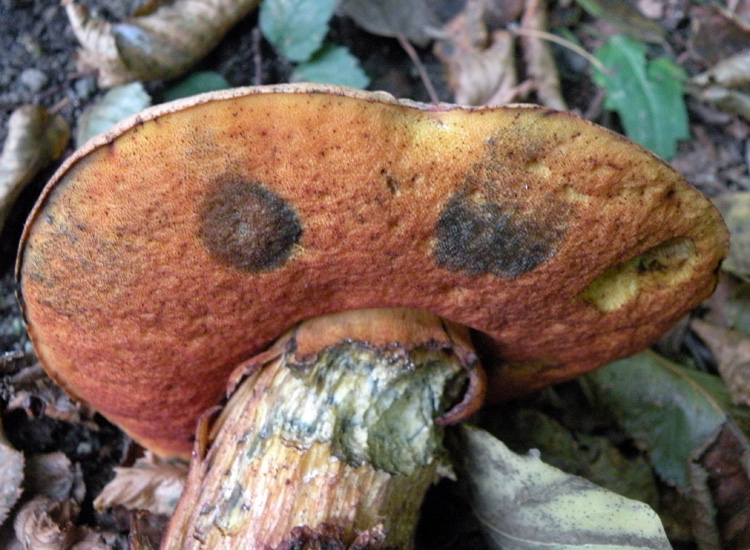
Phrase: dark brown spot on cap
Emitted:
{"points": [[478, 236], [248, 226]]}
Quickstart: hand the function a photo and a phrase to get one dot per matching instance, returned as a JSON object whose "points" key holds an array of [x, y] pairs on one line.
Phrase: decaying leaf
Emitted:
{"points": [[117, 104], [735, 209], [724, 85], [35, 138], [720, 476], [523, 503], [46, 524], [150, 484], [161, 45], [480, 64], [540, 63], [668, 409], [732, 351], [625, 18], [717, 33], [11, 475], [414, 19], [53, 475]]}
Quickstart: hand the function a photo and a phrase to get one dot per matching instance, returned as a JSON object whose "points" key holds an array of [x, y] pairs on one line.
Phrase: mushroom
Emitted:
{"points": [[385, 240]]}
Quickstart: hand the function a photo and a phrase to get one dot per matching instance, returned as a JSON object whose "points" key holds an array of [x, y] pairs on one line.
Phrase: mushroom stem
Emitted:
{"points": [[335, 439]]}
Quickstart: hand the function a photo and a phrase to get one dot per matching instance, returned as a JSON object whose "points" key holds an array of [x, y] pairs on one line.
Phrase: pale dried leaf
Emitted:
{"points": [[35, 138], [735, 209], [724, 85], [161, 45], [732, 351], [11, 475], [150, 484], [480, 66], [45, 524], [540, 63], [524, 504]]}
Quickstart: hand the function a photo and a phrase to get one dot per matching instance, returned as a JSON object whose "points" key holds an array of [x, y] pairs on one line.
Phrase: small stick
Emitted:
{"points": [[412, 53]]}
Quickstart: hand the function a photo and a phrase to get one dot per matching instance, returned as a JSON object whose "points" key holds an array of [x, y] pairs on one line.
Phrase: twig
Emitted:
{"points": [[411, 52], [544, 35]]}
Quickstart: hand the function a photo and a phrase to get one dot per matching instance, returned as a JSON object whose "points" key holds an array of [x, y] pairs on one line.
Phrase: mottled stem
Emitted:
{"points": [[331, 437]]}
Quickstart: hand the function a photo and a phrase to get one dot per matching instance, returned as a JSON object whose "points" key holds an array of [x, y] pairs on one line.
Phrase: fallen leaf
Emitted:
{"points": [[35, 138], [296, 28], [53, 475], [720, 475], [723, 85], [523, 503], [11, 475], [332, 65], [670, 415], [117, 104], [540, 64], [150, 484], [732, 351], [416, 20], [735, 209], [716, 34], [626, 18], [646, 94], [46, 524], [480, 66], [161, 45]]}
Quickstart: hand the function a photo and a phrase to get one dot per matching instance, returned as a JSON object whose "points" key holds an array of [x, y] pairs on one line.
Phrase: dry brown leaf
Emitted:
{"points": [[161, 45], [46, 524], [716, 34], [723, 85], [150, 484], [735, 209], [732, 351], [479, 64], [540, 64], [11, 475], [35, 137], [414, 19], [720, 481]]}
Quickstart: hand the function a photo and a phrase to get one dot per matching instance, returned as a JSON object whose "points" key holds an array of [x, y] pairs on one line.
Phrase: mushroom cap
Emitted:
{"points": [[184, 241]]}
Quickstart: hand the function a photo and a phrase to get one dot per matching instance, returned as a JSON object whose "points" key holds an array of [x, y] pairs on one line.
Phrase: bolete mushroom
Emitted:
{"points": [[387, 237]]}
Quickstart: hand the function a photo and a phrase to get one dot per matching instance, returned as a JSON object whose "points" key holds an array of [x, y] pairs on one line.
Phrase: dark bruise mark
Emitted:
{"points": [[479, 237], [248, 226]]}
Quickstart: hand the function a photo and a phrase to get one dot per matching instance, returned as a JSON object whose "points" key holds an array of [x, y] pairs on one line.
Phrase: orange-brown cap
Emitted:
{"points": [[184, 241]]}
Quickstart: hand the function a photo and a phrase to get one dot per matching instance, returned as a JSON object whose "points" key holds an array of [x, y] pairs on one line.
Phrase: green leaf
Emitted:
{"points": [[523, 504], [332, 65], [118, 103], [196, 83], [648, 96], [296, 27], [666, 407]]}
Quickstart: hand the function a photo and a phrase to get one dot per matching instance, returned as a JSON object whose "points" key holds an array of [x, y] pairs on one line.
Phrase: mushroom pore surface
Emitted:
{"points": [[183, 242]]}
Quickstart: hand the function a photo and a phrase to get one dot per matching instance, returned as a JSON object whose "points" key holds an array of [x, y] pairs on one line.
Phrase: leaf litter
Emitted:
{"points": [[480, 58]]}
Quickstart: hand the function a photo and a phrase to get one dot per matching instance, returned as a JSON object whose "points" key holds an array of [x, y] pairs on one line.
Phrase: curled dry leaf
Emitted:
{"points": [[46, 524], [479, 65], [150, 484], [35, 137], [720, 483], [735, 209], [160, 45], [732, 351], [11, 475], [540, 63], [723, 85]]}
